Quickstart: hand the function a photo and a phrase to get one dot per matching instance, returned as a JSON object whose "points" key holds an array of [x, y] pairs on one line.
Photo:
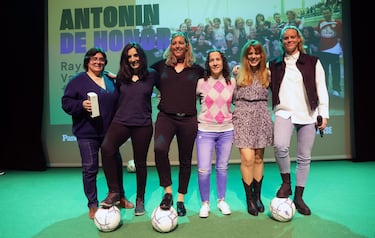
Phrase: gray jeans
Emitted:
{"points": [[283, 131]]}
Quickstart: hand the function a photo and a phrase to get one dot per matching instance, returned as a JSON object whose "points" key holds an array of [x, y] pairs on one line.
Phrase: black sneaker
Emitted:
{"points": [[181, 210], [139, 207], [2, 172], [112, 199], [167, 201]]}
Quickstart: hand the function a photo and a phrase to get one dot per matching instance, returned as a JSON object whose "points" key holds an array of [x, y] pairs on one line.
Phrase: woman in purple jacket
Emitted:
{"points": [[90, 130]]}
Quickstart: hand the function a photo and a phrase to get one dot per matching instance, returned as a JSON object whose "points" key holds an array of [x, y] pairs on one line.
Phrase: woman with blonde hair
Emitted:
{"points": [[177, 116], [252, 121], [299, 96]]}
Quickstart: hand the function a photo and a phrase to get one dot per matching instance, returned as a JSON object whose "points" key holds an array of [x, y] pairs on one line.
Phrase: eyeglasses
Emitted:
{"points": [[100, 60]]}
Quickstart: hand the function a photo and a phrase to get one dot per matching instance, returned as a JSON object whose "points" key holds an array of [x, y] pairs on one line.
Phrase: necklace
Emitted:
{"points": [[135, 78]]}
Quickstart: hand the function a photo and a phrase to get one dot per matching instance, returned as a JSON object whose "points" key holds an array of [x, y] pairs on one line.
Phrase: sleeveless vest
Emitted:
{"points": [[306, 65]]}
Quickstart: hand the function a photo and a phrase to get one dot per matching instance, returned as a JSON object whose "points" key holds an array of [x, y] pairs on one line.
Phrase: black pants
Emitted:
{"points": [[185, 129], [331, 63], [116, 136]]}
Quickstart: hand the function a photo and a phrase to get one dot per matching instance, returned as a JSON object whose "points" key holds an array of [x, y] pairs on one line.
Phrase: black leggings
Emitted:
{"points": [[185, 129]]}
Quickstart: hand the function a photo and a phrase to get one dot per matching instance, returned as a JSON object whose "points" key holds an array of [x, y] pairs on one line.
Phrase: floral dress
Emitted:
{"points": [[251, 117]]}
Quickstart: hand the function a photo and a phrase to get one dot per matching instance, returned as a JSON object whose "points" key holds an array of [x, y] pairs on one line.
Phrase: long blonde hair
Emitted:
{"points": [[171, 60], [245, 76]]}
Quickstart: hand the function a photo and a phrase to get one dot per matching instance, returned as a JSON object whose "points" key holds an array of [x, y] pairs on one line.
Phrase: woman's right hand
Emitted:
{"points": [[86, 104]]}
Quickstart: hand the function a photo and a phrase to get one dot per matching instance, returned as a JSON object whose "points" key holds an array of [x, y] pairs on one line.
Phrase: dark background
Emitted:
{"points": [[22, 94]]}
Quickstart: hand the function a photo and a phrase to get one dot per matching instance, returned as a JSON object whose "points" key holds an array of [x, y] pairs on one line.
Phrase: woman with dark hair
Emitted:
{"points": [[311, 41], [252, 121], [215, 129], [90, 130], [177, 116], [132, 120]]}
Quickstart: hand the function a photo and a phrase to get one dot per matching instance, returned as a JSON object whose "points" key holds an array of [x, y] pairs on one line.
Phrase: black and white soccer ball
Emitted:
{"points": [[282, 209], [107, 219], [164, 220]]}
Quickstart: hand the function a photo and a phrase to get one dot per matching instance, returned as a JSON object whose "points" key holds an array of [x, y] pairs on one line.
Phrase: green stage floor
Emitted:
{"points": [[52, 204]]}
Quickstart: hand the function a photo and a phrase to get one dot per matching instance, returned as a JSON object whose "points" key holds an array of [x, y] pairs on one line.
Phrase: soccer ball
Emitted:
{"points": [[107, 219], [164, 220], [131, 166], [282, 209]]}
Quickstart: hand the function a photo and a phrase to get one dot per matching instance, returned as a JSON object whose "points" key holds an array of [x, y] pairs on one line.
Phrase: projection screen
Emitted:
{"points": [[75, 26]]}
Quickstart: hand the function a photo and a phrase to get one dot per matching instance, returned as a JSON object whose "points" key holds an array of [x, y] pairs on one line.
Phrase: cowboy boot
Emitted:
{"points": [[251, 207], [257, 196]]}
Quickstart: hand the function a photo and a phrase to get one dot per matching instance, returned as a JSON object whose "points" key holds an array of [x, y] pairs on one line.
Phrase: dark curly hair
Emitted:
{"points": [[90, 53], [226, 70]]}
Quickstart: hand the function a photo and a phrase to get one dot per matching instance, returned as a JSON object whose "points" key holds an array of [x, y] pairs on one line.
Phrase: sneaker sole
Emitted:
{"points": [[226, 213], [165, 207], [139, 213], [108, 205]]}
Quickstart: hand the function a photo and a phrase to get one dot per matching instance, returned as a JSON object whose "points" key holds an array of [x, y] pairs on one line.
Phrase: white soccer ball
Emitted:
{"points": [[131, 166], [107, 219], [282, 209], [164, 220]]}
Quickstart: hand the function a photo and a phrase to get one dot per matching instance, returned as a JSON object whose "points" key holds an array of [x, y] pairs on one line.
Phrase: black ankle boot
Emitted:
{"points": [[285, 190], [167, 201], [298, 201], [257, 196]]}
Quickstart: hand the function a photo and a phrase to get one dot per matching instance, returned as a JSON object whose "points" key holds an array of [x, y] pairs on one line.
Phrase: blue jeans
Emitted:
{"points": [[89, 150], [206, 144]]}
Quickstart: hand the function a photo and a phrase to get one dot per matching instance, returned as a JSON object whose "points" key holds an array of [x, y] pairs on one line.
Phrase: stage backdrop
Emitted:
{"points": [[76, 26]]}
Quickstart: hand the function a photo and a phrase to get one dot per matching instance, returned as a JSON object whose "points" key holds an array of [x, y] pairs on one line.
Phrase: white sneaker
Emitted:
{"points": [[224, 207], [205, 210]]}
